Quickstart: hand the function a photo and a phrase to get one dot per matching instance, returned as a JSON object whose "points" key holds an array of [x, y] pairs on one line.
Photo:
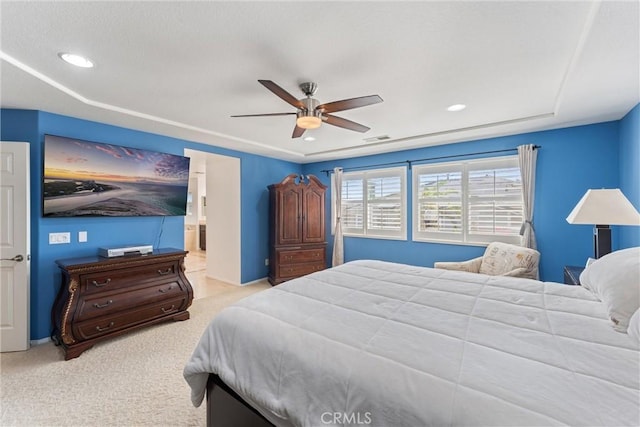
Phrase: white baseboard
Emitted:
{"points": [[254, 282], [40, 341]]}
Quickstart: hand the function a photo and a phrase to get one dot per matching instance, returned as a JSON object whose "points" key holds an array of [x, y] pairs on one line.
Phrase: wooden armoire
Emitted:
{"points": [[297, 228]]}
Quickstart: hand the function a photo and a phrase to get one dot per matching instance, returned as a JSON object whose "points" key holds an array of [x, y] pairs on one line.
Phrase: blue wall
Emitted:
{"points": [[630, 170], [31, 126], [570, 161]]}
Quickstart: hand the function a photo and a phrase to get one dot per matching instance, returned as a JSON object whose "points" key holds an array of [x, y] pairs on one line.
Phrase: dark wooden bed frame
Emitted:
{"points": [[225, 408]]}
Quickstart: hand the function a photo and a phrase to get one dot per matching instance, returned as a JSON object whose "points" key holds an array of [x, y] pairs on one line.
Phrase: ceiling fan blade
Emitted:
{"points": [[297, 132], [264, 115], [281, 93], [344, 123], [347, 104]]}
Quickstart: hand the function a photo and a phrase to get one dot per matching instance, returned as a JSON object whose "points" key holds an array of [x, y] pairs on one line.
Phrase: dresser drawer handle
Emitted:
{"points": [[166, 290], [166, 310], [99, 329], [165, 272], [96, 305], [99, 285]]}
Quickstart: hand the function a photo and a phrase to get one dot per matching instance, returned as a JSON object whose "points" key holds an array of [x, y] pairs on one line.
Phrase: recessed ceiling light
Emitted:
{"points": [[77, 60], [309, 138], [456, 107]]}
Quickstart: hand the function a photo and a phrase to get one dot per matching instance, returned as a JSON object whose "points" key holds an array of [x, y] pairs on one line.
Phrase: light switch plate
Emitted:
{"points": [[82, 236], [59, 238]]}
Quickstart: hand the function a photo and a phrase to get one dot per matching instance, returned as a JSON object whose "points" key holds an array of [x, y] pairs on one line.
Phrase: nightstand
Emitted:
{"points": [[572, 274]]}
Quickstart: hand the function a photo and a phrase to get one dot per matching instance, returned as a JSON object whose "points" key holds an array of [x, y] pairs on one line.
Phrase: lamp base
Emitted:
{"points": [[601, 240]]}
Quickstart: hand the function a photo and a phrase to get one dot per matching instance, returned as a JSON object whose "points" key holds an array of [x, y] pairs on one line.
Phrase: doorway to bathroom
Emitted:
{"points": [[212, 223]]}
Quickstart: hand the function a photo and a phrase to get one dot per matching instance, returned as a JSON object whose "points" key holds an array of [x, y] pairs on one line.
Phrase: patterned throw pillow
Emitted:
{"points": [[501, 258]]}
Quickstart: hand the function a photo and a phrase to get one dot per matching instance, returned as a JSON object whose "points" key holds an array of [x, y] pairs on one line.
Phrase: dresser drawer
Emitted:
{"points": [[126, 277], [107, 324], [107, 303], [294, 256], [295, 270]]}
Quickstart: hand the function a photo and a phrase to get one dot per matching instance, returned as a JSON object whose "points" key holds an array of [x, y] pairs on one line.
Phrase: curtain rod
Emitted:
{"points": [[410, 162]]}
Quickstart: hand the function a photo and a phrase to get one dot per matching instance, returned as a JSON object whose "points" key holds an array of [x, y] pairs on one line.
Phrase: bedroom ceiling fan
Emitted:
{"points": [[310, 113]]}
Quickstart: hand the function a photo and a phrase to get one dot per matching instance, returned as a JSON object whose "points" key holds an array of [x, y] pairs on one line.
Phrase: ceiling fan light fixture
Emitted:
{"points": [[308, 122]]}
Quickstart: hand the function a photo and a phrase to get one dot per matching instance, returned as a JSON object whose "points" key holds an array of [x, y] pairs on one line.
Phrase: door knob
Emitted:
{"points": [[17, 258]]}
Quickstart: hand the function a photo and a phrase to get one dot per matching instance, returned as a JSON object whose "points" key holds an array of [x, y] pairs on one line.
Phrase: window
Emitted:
{"points": [[374, 203], [476, 201]]}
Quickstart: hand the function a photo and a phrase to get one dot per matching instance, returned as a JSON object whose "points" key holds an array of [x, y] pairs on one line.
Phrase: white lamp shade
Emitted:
{"points": [[604, 207]]}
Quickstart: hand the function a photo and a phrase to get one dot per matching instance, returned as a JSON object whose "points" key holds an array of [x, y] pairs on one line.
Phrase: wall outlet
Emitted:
{"points": [[59, 238], [266, 261]]}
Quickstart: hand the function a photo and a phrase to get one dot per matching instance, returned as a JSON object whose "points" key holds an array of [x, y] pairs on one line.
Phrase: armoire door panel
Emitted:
{"points": [[313, 222], [290, 217]]}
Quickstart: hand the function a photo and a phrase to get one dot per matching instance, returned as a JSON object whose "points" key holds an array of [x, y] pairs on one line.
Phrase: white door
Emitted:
{"points": [[14, 246]]}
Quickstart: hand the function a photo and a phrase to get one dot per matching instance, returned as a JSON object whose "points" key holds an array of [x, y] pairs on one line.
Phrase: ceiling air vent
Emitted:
{"points": [[377, 138]]}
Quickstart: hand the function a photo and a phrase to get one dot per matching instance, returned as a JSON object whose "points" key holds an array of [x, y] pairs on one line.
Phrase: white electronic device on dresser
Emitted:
{"points": [[125, 250]]}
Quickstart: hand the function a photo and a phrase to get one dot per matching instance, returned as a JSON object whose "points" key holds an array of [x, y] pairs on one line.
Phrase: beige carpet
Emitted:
{"points": [[132, 380]]}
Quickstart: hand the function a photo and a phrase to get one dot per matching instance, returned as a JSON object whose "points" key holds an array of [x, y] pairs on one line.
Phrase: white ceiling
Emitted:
{"points": [[183, 68]]}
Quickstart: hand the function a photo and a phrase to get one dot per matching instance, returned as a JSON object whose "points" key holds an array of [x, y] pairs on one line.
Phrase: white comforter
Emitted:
{"points": [[387, 344]]}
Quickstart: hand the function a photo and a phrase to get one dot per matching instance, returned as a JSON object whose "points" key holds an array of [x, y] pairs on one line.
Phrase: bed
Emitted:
{"points": [[387, 344]]}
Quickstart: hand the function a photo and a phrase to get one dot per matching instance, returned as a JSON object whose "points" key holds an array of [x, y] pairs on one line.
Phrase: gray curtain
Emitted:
{"points": [[338, 248], [527, 156]]}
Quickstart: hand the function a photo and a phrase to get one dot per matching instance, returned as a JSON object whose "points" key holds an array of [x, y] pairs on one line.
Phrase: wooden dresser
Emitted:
{"points": [[297, 228], [101, 298]]}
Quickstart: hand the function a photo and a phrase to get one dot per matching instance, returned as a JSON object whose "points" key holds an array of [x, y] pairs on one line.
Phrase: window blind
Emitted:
{"points": [[476, 201], [374, 203]]}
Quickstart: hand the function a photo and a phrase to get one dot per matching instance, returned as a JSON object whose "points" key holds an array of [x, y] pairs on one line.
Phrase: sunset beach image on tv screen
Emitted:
{"points": [[83, 178]]}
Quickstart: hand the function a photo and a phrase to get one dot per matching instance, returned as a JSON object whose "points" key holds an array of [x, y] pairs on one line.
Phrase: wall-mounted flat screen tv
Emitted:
{"points": [[83, 178]]}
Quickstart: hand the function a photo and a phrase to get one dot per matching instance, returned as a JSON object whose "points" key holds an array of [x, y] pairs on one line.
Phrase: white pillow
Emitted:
{"points": [[634, 327], [615, 280]]}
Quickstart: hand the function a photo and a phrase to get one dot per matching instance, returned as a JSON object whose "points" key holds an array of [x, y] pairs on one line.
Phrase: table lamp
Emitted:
{"points": [[603, 208]]}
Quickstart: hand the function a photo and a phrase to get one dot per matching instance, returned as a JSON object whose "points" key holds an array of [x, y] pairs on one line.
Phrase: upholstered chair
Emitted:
{"points": [[500, 259]]}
